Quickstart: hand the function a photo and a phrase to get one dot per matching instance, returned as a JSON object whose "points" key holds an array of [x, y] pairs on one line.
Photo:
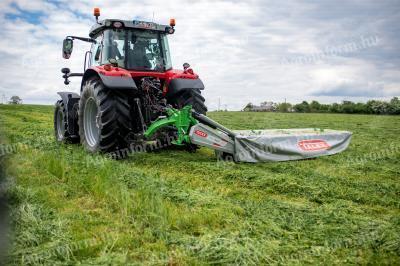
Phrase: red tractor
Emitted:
{"points": [[128, 82]]}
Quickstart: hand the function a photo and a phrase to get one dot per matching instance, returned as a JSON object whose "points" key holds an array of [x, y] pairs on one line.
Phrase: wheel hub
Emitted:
{"points": [[60, 125], [91, 122]]}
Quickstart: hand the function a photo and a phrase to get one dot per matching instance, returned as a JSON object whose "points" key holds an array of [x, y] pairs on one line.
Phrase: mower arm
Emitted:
{"points": [[195, 128], [209, 122], [181, 119]]}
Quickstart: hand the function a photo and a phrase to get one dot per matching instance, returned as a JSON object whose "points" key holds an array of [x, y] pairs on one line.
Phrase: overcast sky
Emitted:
{"points": [[244, 51]]}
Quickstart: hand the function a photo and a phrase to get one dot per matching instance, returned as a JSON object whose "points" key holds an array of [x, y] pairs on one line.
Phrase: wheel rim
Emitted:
{"points": [[60, 125], [90, 122]]}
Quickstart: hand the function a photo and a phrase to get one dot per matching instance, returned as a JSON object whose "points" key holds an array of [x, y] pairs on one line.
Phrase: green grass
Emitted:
{"points": [[178, 208]]}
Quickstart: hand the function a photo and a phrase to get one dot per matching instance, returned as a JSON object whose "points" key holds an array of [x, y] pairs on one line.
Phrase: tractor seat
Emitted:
{"points": [[137, 58]]}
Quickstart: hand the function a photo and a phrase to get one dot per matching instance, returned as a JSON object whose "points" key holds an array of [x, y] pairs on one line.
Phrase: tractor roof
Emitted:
{"points": [[131, 24]]}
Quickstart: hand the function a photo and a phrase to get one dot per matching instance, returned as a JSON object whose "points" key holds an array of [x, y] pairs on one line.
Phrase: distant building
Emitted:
{"points": [[263, 107]]}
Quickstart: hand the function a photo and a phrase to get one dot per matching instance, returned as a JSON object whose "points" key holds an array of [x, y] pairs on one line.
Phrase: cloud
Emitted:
{"points": [[236, 47], [353, 90]]}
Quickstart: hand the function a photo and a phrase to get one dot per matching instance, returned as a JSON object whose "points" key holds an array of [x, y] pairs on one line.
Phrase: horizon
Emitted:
{"points": [[230, 110]]}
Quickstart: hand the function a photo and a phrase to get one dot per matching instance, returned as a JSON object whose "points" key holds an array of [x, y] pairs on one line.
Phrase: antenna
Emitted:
{"points": [[153, 18]]}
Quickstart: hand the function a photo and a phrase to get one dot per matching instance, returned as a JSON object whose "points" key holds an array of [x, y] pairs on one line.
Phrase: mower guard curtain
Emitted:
{"points": [[288, 144]]}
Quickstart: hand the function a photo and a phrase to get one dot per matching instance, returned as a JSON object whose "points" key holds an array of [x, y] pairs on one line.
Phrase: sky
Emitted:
{"points": [[244, 51]]}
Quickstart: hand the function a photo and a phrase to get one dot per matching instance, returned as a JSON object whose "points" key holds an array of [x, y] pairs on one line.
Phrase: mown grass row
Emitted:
{"points": [[174, 207]]}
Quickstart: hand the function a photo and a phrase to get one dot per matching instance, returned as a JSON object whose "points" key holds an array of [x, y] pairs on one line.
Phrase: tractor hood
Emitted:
{"points": [[175, 80], [109, 70]]}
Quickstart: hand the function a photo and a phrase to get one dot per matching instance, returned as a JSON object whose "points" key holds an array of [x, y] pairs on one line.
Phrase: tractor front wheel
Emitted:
{"points": [[61, 125], [104, 118], [60, 122]]}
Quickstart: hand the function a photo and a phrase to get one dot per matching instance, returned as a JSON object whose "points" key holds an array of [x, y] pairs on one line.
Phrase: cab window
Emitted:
{"points": [[96, 51]]}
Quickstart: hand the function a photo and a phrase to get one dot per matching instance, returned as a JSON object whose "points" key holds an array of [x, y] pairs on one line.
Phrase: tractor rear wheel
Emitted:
{"points": [[104, 118], [192, 97]]}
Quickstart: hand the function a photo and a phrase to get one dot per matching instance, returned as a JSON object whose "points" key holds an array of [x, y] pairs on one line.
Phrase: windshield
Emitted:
{"points": [[137, 50]]}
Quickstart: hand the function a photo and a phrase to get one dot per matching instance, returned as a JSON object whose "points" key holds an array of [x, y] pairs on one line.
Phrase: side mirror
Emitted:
{"points": [[68, 44]]}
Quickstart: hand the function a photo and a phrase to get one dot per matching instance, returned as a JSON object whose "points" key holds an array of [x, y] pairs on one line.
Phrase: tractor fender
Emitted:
{"points": [[67, 96], [178, 85], [124, 82]]}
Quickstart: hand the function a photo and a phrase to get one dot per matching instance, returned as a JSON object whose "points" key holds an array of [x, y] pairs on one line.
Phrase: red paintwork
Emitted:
{"points": [[109, 70], [313, 145], [200, 133]]}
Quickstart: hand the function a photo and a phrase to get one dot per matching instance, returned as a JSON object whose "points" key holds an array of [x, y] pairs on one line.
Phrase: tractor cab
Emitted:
{"points": [[132, 45]]}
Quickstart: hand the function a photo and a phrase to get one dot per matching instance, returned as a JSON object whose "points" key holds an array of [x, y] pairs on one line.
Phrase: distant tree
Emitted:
{"points": [[347, 107], [369, 107], [394, 106], [248, 107], [380, 107], [315, 106], [360, 108], [15, 100], [334, 108], [377, 107], [274, 107], [324, 108], [269, 106], [303, 107], [284, 107]]}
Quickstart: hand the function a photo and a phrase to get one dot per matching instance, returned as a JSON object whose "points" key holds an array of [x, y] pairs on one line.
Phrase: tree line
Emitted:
{"points": [[391, 107]]}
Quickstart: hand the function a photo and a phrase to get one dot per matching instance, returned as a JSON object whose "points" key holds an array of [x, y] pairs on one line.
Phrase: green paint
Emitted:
{"points": [[182, 119]]}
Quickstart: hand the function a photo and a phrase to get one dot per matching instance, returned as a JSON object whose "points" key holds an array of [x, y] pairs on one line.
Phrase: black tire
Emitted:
{"points": [[113, 118], [192, 97], [61, 125]]}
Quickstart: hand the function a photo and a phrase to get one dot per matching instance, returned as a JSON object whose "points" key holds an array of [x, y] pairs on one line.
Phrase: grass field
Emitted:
{"points": [[177, 208]]}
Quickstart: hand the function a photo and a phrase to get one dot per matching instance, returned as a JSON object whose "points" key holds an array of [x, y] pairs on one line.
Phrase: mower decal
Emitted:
{"points": [[200, 133], [313, 145], [219, 142]]}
